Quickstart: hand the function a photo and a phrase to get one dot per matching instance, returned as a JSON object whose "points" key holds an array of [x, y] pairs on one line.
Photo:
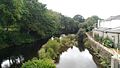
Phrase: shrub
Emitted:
{"points": [[87, 43], [53, 44], [96, 37], [43, 54], [45, 63], [53, 48], [108, 42], [50, 50]]}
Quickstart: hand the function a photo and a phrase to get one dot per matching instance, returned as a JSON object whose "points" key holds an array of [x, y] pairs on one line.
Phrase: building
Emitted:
{"points": [[109, 28]]}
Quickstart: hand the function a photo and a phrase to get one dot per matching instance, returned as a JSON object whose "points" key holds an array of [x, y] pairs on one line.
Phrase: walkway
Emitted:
{"points": [[110, 50]]}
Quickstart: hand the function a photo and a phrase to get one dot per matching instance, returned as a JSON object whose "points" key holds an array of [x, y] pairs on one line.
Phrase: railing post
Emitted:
{"points": [[115, 62]]}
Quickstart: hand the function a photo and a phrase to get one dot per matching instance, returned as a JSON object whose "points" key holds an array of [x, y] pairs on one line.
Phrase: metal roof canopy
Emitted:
{"points": [[109, 30]]}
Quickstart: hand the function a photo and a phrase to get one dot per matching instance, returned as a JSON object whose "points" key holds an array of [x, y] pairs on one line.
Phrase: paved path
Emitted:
{"points": [[110, 50]]}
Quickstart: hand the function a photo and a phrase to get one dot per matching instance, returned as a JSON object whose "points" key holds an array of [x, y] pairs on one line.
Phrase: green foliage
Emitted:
{"points": [[26, 21], [68, 25], [50, 50], [44, 63], [96, 36], [108, 42], [42, 54], [87, 43], [104, 62], [90, 22], [79, 18], [53, 48], [52, 44]]}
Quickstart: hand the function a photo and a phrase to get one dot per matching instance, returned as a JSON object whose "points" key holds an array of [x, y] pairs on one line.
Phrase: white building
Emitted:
{"points": [[109, 27]]}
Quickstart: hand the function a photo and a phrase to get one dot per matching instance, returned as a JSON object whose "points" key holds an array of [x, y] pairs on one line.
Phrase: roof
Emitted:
{"points": [[113, 18], [109, 30]]}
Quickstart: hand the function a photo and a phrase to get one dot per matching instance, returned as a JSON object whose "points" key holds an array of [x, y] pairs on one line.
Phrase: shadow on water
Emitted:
{"points": [[15, 55], [80, 39]]}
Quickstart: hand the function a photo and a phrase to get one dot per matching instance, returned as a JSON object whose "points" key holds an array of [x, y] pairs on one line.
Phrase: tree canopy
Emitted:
{"points": [[26, 21], [79, 18], [91, 22]]}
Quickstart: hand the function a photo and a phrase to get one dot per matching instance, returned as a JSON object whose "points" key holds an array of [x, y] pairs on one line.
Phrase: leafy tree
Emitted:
{"points": [[90, 21], [68, 25], [26, 21], [79, 18]]}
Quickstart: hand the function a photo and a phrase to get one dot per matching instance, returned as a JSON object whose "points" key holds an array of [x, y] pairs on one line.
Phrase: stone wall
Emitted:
{"points": [[99, 52]]}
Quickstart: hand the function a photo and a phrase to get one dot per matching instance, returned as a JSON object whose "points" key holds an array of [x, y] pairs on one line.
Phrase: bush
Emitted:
{"points": [[50, 50], [108, 42], [53, 48], [96, 37], [87, 43], [43, 54], [53, 44], [45, 63]]}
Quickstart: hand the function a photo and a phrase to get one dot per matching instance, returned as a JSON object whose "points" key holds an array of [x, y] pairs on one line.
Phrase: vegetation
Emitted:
{"points": [[105, 41], [25, 21], [108, 42], [50, 52], [79, 18], [102, 62], [44, 63], [98, 38], [53, 48], [89, 23]]}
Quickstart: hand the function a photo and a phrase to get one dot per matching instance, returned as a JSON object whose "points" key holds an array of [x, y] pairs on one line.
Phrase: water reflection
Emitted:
{"points": [[73, 58], [12, 57], [11, 61]]}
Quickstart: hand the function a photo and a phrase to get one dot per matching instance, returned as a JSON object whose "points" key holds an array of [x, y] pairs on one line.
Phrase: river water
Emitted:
{"points": [[13, 57], [73, 58]]}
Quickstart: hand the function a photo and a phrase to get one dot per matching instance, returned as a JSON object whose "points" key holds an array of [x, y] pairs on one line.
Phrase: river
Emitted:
{"points": [[73, 58], [13, 57]]}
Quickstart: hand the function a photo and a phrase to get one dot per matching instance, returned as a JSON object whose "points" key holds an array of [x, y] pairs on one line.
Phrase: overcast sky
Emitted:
{"points": [[86, 8]]}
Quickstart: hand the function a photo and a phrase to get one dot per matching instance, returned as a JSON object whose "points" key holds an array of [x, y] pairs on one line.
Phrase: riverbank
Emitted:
{"points": [[51, 51], [55, 46], [101, 55]]}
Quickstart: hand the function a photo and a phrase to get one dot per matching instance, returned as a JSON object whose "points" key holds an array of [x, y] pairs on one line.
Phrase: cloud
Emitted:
{"points": [[102, 8]]}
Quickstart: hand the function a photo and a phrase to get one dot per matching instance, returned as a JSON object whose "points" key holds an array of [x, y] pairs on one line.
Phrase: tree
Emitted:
{"points": [[68, 25], [79, 18], [26, 21], [11, 11], [90, 21]]}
